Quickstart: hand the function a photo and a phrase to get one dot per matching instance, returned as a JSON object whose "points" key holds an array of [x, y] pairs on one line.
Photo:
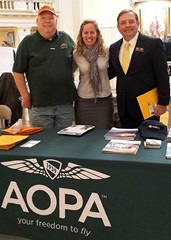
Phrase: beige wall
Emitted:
{"points": [[73, 12]]}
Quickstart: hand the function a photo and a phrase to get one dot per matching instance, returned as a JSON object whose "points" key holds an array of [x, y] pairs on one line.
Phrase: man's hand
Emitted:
{"points": [[159, 110]]}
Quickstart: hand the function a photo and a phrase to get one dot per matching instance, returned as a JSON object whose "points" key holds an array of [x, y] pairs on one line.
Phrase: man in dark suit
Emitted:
{"points": [[147, 70]]}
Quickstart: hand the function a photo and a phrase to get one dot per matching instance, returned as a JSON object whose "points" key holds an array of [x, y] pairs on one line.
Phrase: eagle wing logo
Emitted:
{"points": [[27, 165], [53, 169]]}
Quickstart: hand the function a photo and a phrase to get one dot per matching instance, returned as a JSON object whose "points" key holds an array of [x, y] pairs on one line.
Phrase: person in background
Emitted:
{"points": [[5, 44], [9, 95], [94, 105], [167, 47], [45, 58], [147, 70]]}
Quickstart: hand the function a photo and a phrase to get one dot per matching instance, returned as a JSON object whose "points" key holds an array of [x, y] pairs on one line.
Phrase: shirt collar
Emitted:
{"points": [[133, 40], [55, 35]]}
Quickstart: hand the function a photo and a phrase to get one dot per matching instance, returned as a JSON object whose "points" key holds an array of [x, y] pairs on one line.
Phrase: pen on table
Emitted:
{"points": [[126, 135]]}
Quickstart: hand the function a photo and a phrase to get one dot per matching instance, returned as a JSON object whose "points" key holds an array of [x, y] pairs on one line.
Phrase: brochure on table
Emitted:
{"points": [[122, 147], [76, 130], [121, 133]]}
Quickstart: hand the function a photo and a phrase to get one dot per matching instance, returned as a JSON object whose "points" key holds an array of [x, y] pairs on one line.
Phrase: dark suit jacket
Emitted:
{"points": [[147, 70], [167, 48]]}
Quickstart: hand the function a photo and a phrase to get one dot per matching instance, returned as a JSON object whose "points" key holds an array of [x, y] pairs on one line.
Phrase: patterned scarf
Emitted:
{"points": [[91, 55]]}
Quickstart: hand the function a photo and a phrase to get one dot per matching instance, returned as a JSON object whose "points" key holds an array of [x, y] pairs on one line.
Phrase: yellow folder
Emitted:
{"points": [[7, 141], [147, 102]]}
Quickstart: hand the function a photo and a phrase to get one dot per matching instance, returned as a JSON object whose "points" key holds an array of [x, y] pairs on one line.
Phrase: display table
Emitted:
{"points": [[64, 188]]}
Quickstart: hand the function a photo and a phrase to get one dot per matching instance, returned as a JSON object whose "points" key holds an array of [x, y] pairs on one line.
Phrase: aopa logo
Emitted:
{"points": [[53, 169]]}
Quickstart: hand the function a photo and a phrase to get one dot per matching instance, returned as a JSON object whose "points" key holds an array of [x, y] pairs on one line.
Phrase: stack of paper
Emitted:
{"points": [[122, 146], [152, 143], [121, 134], [7, 142], [168, 150]]}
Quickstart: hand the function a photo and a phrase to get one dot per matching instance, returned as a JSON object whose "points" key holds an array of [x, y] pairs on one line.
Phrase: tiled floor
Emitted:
{"points": [[6, 237]]}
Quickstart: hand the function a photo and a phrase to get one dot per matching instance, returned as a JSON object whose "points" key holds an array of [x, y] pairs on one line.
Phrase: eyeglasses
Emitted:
{"points": [[44, 19]]}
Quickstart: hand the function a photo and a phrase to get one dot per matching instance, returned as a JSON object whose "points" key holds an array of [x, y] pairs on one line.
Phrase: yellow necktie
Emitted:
{"points": [[125, 57]]}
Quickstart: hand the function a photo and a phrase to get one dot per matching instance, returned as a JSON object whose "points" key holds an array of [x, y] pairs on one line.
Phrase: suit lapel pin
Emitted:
{"points": [[138, 49]]}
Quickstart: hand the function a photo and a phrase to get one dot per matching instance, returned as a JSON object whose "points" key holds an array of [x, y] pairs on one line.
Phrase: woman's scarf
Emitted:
{"points": [[91, 55]]}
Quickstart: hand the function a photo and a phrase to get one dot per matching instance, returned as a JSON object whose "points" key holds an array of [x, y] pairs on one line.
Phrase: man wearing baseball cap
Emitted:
{"points": [[45, 59], [46, 8]]}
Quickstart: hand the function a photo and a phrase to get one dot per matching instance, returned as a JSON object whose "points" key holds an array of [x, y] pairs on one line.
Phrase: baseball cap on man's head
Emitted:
{"points": [[46, 8]]}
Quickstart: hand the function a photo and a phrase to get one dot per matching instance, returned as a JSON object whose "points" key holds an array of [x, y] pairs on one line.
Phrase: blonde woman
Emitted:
{"points": [[94, 104]]}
